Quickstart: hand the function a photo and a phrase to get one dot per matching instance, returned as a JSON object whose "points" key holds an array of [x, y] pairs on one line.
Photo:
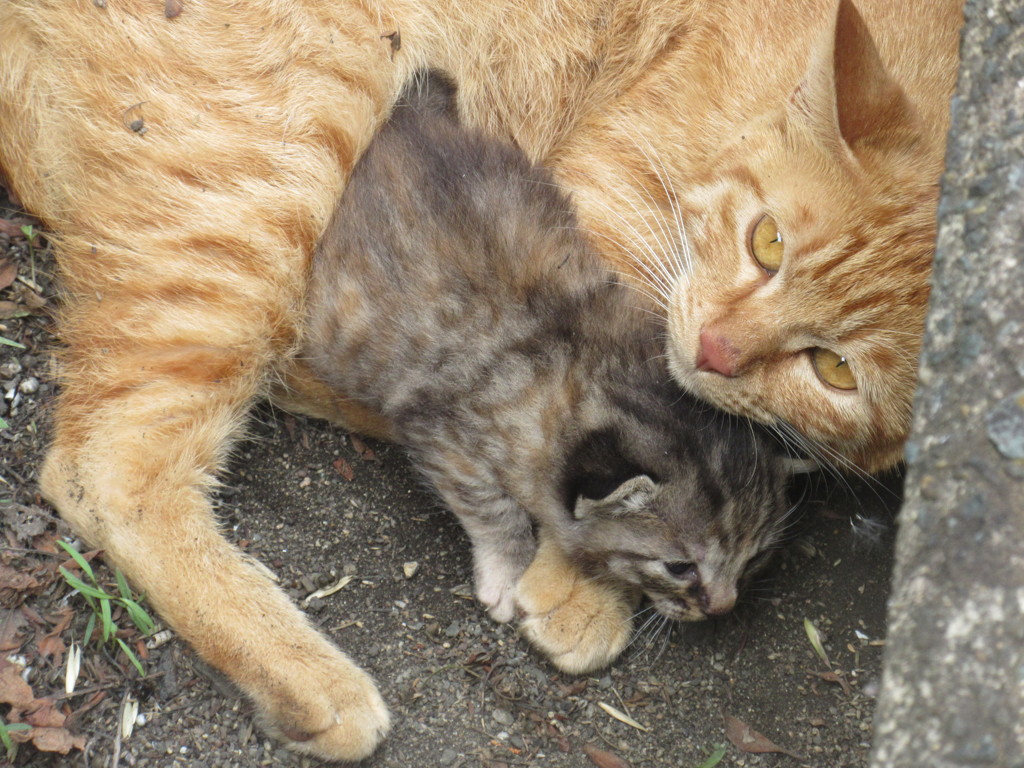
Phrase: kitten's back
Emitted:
{"points": [[448, 248]]}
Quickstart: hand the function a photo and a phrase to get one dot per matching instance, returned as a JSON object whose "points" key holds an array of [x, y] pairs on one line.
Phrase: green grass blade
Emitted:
{"points": [[122, 585], [815, 639], [108, 623], [139, 616], [77, 557], [4, 424], [11, 342], [81, 586], [5, 738], [714, 758], [131, 657], [90, 627]]}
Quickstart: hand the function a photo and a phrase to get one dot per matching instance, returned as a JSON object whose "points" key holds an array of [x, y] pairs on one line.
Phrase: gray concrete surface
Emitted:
{"points": [[953, 687]]}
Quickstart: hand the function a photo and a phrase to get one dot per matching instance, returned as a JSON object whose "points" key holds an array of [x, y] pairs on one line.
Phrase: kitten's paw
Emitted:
{"points": [[579, 623], [496, 589], [324, 705]]}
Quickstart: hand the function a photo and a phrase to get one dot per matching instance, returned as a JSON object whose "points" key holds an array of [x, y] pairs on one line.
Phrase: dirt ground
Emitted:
{"points": [[463, 690]]}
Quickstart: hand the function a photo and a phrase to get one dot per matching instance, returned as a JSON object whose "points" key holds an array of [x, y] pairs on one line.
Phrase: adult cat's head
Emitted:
{"points": [[804, 230], [815, 231]]}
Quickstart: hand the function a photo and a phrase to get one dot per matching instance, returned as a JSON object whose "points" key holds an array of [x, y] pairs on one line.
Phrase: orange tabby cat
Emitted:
{"points": [[767, 171]]}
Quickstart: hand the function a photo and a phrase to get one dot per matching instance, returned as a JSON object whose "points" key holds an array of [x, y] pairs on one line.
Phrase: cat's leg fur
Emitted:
{"points": [[581, 624], [184, 249], [133, 481]]}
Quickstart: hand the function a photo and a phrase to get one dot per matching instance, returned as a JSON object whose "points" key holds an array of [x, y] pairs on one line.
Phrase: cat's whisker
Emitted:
{"points": [[647, 291], [777, 534], [667, 629], [652, 266], [646, 636], [665, 240], [655, 257], [833, 462], [636, 242], [665, 178], [640, 631], [649, 276]]}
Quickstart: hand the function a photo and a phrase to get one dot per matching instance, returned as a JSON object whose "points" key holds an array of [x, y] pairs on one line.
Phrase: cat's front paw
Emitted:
{"points": [[579, 623]]}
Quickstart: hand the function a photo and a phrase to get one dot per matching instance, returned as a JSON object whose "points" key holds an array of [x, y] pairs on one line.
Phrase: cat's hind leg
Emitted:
{"points": [[130, 469], [186, 172], [581, 624]]}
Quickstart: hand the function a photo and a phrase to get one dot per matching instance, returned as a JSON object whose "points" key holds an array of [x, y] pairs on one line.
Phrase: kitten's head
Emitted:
{"points": [[813, 234], [681, 502]]}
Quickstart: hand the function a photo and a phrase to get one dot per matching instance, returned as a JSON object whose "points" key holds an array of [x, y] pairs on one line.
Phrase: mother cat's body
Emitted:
{"points": [[187, 166]]}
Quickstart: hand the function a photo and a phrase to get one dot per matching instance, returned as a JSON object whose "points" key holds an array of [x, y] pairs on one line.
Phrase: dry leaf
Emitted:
{"points": [[32, 300], [44, 715], [11, 228], [11, 625], [622, 717], [746, 739], [26, 522], [47, 733], [52, 646], [55, 740], [14, 690], [344, 469], [15, 583], [327, 591], [8, 272], [365, 452], [11, 309], [603, 759]]}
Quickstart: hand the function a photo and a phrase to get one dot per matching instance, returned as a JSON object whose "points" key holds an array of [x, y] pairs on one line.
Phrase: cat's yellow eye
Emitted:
{"points": [[766, 244], [833, 369]]}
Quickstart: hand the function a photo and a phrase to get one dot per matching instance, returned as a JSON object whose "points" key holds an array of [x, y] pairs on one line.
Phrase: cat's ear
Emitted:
{"points": [[846, 97], [631, 496]]}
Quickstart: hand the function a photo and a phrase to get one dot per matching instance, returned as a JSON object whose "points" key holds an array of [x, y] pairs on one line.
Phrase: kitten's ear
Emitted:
{"points": [[846, 95], [431, 91], [630, 496]]}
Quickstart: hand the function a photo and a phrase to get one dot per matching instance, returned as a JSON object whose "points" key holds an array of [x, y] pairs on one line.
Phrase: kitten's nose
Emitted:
{"points": [[716, 354], [715, 601]]}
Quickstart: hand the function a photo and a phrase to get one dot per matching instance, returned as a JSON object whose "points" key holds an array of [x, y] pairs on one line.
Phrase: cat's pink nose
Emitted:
{"points": [[716, 354]]}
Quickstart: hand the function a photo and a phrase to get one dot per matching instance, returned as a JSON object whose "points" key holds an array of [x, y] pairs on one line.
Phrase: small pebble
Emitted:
{"points": [[503, 717], [10, 369], [29, 386]]}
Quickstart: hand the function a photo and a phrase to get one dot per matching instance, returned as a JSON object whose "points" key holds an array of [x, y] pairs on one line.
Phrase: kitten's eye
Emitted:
{"points": [[833, 369], [766, 244], [684, 571]]}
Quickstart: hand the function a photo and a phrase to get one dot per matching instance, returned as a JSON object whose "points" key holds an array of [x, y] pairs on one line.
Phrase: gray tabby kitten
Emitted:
{"points": [[452, 295]]}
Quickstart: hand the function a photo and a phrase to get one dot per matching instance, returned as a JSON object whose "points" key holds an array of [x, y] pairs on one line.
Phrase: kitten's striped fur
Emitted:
{"points": [[453, 296]]}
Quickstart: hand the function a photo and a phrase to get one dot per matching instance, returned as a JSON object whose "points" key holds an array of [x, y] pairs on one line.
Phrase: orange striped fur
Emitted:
{"points": [[186, 167]]}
